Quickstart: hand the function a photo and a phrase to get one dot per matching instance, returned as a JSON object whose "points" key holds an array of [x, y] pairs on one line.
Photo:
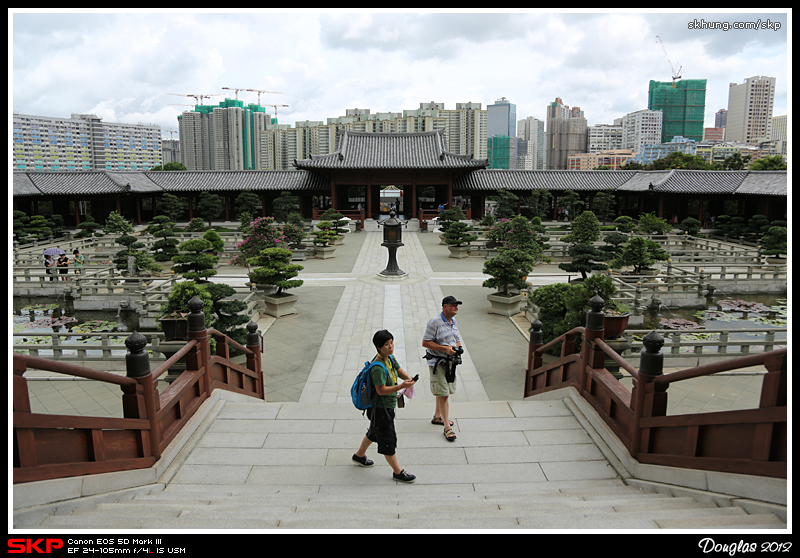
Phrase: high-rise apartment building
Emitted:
{"points": [[566, 134], [683, 103], [750, 110], [604, 137], [641, 128], [721, 118], [222, 137], [531, 130], [82, 142]]}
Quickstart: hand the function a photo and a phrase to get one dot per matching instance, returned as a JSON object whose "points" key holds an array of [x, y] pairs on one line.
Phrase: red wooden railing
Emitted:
{"points": [[55, 446], [749, 441]]}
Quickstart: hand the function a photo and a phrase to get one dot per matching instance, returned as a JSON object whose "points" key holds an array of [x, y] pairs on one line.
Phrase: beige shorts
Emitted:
{"points": [[439, 385]]}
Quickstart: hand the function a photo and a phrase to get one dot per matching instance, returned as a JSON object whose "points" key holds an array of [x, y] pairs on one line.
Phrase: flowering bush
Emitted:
{"points": [[260, 236]]}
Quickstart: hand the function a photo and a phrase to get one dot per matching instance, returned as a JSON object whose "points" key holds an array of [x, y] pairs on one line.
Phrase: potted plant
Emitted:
{"points": [[458, 238], [508, 270], [273, 268], [324, 237]]}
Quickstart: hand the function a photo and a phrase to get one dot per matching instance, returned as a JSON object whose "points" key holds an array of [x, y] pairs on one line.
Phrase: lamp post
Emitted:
{"points": [[392, 239]]}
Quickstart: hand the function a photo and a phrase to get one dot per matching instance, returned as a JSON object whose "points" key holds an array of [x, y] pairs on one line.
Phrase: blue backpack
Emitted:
{"points": [[363, 391]]}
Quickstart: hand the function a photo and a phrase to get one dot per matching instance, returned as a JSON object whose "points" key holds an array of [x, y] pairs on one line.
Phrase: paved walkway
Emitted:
{"points": [[311, 357]]}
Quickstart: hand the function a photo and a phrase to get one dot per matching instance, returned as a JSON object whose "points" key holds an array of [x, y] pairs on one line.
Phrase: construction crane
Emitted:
{"points": [[675, 76], [236, 89], [276, 108], [260, 91], [197, 96]]}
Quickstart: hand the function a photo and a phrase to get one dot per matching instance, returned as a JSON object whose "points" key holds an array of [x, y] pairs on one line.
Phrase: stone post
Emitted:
{"points": [[253, 343]]}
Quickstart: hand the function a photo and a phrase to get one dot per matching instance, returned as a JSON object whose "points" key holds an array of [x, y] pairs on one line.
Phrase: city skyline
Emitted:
{"points": [[122, 66]]}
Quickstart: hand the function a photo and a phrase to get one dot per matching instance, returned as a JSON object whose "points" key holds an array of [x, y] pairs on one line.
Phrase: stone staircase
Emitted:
{"points": [[608, 504], [515, 465]]}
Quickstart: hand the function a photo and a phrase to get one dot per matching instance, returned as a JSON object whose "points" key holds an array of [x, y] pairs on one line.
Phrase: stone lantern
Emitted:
{"points": [[392, 239]]}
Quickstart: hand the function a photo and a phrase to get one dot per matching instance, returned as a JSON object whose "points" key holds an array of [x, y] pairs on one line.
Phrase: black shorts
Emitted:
{"points": [[381, 430]]}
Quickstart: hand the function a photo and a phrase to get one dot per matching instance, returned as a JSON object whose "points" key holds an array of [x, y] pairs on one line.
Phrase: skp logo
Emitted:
{"points": [[29, 546]]}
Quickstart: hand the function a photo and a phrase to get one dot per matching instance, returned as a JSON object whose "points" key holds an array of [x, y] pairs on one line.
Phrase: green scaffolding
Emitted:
{"points": [[683, 104]]}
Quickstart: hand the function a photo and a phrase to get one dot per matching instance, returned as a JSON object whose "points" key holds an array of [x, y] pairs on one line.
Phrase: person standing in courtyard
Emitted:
{"points": [[442, 340], [78, 260], [381, 415], [63, 265]]}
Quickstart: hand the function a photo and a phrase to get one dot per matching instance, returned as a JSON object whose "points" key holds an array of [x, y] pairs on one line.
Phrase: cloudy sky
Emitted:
{"points": [[122, 66]]}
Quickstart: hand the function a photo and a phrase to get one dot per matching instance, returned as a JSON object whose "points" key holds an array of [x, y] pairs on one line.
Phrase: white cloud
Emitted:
{"points": [[124, 65]]}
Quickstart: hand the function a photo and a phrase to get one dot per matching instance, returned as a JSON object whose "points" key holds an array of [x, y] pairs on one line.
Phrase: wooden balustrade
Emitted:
{"points": [[750, 441], [55, 446]]}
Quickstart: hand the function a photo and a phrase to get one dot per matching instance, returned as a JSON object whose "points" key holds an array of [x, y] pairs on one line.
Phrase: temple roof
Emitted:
{"points": [[675, 181], [413, 150]]}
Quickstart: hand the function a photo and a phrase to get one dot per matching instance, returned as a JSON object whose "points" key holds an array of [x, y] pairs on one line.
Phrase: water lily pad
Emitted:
{"points": [[678, 323]]}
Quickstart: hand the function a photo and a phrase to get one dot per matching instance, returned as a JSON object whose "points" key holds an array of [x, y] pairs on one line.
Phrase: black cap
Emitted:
{"points": [[450, 300]]}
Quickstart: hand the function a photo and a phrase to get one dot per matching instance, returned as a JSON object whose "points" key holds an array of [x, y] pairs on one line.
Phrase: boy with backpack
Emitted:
{"points": [[384, 371]]}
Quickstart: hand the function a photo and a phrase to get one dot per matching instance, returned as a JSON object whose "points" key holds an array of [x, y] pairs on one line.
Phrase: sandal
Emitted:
{"points": [[449, 434], [440, 421]]}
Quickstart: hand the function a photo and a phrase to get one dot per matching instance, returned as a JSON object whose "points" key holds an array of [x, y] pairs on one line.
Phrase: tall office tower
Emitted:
{"points": [[641, 128], [222, 137], [721, 118], [531, 130], [82, 142], [750, 110], [502, 118], [566, 134], [683, 104]]}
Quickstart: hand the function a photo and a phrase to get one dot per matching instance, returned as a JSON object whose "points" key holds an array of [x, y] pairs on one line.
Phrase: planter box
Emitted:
{"points": [[504, 305], [279, 306], [459, 251], [175, 329], [615, 325], [324, 252]]}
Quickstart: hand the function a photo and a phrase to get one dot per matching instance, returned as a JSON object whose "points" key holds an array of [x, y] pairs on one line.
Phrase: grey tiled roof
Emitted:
{"points": [[198, 181], [674, 181], [413, 150], [768, 183], [110, 182]]}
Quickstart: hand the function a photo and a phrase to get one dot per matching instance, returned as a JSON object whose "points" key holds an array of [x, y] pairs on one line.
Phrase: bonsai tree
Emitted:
{"points": [[273, 267], [625, 224], [162, 228], [196, 225], [209, 206], [775, 241], [173, 206], [177, 305], [194, 262], [217, 244], [260, 234], [116, 223], [613, 245], [20, 220], [508, 269], [458, 234], [506, 204], [650, 224], [283, 205], [246, 202], [227, 316], [450, 216], [690, 225], [325, 234], [640, 253], [585, 231], [88, 227]]}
